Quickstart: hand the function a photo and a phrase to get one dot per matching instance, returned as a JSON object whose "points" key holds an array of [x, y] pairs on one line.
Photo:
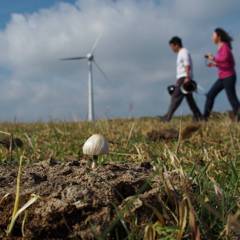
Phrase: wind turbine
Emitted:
{"points": [[91, 60]]}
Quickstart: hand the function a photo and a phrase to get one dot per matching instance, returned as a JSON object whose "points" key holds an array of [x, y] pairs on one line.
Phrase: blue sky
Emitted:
{"points": [[133, 52], [23, 6]]}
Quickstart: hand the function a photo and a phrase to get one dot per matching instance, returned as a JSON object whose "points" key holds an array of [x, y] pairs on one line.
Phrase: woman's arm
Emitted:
{"points": [[211, 62], [220, 59]]}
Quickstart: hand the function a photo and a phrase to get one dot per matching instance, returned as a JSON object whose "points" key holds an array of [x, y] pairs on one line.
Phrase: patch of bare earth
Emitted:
{"points": [[77, 202]]}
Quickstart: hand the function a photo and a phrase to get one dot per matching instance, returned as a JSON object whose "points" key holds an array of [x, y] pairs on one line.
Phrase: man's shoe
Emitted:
{"points": [[163, 119], [198, 118], [238, 116], [235, 117]]}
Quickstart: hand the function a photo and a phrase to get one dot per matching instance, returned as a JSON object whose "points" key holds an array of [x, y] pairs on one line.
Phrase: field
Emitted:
{"points": [[159, 181]]}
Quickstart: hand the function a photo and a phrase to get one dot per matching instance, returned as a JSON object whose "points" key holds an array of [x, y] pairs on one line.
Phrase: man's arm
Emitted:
{"points": [[188, 71], [187, 64]]}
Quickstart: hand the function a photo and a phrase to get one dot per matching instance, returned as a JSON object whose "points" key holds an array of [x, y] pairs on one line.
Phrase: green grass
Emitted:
{"points": [[210, 158]]}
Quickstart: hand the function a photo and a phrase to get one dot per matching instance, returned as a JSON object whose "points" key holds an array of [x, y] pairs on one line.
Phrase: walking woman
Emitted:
{"points": [[225, 63]]}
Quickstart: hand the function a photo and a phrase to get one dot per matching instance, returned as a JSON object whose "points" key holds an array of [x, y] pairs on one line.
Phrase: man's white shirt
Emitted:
{"points": [[184, 59]]}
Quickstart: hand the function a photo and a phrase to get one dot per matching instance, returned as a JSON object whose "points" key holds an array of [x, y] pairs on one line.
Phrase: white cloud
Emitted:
{"points": [[133, 51], [204, 10]]}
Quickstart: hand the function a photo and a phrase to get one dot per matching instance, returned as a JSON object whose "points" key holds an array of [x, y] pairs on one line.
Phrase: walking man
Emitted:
{"points": [[184, 76]]}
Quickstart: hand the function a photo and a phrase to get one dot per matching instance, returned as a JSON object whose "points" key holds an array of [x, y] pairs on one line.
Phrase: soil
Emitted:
{"points": [[173, 134], [164, 134], [77, 202]]}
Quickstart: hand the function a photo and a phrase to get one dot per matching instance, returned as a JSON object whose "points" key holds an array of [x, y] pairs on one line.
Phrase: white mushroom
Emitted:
{"points": [[95, 146]]}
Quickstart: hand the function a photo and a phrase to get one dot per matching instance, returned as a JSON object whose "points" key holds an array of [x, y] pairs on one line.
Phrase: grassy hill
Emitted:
{"points": [[191, 172]]}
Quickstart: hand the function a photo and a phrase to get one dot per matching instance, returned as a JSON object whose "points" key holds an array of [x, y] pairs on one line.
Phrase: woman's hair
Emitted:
{"points": [[225, 37]]}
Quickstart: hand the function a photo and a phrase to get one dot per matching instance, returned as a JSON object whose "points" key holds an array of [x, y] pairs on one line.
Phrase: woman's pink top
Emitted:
{"points": [[225, 62]]}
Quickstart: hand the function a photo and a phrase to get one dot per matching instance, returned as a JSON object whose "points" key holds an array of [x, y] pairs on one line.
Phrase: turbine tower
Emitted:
{"points": [[91, 60]]}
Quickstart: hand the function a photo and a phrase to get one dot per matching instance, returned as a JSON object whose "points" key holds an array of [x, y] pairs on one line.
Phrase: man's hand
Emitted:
{"points": [[187, 79]]}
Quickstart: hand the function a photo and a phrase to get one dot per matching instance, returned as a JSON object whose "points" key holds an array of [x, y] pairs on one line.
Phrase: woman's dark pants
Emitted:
{"points": [[227, 84]]}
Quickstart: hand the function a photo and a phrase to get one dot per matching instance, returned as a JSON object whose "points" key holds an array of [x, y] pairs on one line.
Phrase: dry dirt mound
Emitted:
{"points": [[77, 202], [164, 134], [173, 134]]}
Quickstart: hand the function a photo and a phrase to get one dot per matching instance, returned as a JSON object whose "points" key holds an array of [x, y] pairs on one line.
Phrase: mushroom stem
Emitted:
{"points": [[94, 161]]}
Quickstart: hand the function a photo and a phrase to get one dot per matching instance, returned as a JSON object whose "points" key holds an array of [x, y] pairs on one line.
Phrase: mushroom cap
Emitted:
{"points": [[96, 145]]}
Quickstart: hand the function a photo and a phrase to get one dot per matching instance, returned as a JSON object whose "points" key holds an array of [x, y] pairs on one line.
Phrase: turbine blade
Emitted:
{"points": [[96, 43], [100, 70], [73, 58]]}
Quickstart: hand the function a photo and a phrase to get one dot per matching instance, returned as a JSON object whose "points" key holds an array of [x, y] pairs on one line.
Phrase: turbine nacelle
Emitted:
{"points": [[90, 57]]}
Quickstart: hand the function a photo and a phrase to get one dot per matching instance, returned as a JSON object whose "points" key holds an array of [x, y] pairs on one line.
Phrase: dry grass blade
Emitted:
{"points": [[130, 133], [182, 221], [176, 163], [24, 222], [233, 224], [193, 223], [4, 198], [16, 203], [167, 181], [218, 191], [5, 133], [149, 233], [29, 140], [30, 202], [179, 137], [130, 205], [171, 193], [160, 217]]}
